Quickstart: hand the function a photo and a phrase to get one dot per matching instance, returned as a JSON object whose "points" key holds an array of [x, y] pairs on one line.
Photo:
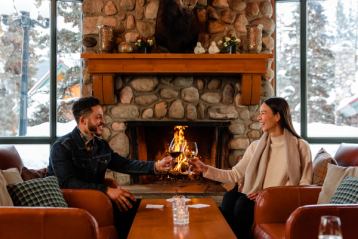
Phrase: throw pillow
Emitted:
{"points": [[320, 164], [347, 191], [39, 192], [8, 176], [12, 176], [335, 174], [5, 199]]}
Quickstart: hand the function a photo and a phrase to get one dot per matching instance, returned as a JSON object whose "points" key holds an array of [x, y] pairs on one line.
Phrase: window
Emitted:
{"points": [[38, 81], [317, 67]]}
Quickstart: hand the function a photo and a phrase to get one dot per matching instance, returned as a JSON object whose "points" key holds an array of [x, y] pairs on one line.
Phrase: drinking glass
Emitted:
{"points": [[190, 151], [175, 149], [330, 228], [180, 211]]}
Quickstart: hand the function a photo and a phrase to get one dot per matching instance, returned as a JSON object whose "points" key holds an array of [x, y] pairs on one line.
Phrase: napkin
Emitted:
{"points": [[155, 206], [198, 205]]}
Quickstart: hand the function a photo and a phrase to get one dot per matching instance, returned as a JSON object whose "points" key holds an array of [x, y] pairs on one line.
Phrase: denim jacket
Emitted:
{"points": [[75, 167]]}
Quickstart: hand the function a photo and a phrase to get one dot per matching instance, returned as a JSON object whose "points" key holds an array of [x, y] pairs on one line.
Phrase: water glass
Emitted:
{"points": [[330, 228], [180, 211]]}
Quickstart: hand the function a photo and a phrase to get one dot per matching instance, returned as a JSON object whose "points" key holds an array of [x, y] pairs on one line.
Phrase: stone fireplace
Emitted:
{"points": [[145, 95]]}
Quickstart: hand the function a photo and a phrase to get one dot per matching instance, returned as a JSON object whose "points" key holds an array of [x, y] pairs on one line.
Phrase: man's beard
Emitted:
{"points": [[93, 129]]}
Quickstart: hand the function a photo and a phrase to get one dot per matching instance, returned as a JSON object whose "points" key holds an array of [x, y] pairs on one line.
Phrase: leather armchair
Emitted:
{"points": [[292, 212], [54, 223], [89, 214]]}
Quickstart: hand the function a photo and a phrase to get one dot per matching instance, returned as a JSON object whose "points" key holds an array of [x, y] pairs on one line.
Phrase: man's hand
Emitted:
{"points": [[164, 164], [121, 197], [197, 166]]}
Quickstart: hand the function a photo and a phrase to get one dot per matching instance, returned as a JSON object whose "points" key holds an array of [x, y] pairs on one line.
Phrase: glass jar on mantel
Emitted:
{"points": [[254, 38], [105, 38]]}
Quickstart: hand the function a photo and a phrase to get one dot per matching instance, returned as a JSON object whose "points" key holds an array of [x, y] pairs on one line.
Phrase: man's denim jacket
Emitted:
{"points": [[75, 167]]}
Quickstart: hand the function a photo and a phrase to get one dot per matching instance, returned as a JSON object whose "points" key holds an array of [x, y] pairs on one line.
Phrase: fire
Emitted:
{"points": [[181, 163]]}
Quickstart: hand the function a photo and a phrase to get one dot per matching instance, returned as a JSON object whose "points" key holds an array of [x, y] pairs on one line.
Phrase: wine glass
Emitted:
{"points": [[190, 151], [175, 150], [330, 228]]}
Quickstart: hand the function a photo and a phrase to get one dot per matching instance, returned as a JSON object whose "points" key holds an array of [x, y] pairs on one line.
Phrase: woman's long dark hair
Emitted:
{"points": [[280, 105]]}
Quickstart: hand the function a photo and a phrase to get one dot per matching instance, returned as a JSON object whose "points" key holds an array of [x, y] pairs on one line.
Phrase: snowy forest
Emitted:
{"points": [[332, 60]]}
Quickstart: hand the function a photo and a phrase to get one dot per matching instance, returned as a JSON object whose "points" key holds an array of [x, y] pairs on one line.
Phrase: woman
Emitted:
{"points": [[280, 157]]}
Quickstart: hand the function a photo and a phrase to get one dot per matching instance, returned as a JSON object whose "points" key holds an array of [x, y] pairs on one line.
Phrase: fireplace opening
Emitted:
{"points": [[149, 140]]}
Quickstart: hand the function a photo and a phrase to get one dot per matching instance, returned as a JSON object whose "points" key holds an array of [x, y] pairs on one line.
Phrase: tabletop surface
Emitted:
{"points": [[206, 222]]}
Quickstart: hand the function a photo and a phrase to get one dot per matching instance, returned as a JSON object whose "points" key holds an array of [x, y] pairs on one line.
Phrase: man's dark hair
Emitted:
{"points": [[83, 106]]}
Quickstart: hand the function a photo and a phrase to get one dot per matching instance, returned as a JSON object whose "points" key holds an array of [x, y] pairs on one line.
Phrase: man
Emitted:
{"points": [[81, 158]]}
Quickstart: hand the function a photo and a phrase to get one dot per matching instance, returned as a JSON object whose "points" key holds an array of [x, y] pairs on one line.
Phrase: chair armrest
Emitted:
{"points": [[46, 223], [275, 204], [304, 221], [95, 202]]}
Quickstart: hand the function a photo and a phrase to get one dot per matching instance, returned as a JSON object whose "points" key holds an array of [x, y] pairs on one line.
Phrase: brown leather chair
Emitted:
{"points": [[90, 214], [54, 223], [291, 212]]}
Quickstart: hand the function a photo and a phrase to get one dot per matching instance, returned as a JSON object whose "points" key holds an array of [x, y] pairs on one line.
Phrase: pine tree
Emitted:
{"points": [[320, 66], [288, 61]]}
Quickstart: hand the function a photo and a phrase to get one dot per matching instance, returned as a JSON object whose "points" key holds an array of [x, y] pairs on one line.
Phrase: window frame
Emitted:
{"points": [[304, 81], [53, 73], [53, 87]]}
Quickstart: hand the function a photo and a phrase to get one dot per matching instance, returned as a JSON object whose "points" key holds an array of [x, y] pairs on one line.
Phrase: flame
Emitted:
{"points": [[181, 165]]}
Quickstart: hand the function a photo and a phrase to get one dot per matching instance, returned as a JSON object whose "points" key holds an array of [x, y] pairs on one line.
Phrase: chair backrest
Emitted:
{"points": [[347, 155], [10, 158], [304, 221]]}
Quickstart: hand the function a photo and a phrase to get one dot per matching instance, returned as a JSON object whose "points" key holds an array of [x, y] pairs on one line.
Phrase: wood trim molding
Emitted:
{"points": [[103, 66]]}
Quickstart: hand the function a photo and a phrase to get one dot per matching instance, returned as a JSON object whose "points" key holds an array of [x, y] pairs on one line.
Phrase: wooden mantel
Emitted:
{"points": [[102, 68]]}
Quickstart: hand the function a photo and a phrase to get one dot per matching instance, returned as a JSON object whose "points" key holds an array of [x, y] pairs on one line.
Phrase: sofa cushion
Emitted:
{"points": [[40, 192], [347, 191], [5, 199], [8, 176], [335, 174], [320, 164], [10, 158], [347, 155], [28, 174], [12, 176]]}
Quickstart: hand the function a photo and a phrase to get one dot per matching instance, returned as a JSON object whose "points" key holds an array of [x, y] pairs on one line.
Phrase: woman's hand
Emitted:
{"points": [[164, 164], [253, 196], [123, 198], [197, 166]]}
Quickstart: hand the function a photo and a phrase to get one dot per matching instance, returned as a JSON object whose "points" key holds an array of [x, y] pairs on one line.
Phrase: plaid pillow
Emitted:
{"points": [[40, 192], [347, 191], [320, 164]]}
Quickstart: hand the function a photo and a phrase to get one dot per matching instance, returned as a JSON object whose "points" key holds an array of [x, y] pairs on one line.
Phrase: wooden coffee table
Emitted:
{"points": [[205, 222]]}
